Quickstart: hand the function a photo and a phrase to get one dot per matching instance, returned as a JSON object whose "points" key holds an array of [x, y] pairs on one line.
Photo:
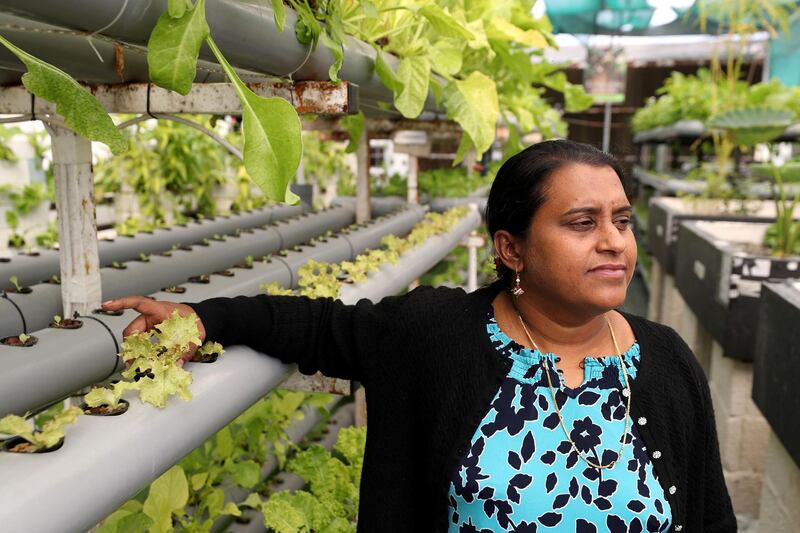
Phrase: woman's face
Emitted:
{"points": [[580, 247]]}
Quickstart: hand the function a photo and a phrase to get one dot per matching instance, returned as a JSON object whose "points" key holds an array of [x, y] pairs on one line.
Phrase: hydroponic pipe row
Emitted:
{"points": [[30, 312], [63, 361], [114, 457], [31, 269]]}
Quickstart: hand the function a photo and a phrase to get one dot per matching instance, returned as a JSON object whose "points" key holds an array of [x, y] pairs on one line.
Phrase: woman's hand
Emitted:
{"points": [[152, 313]]}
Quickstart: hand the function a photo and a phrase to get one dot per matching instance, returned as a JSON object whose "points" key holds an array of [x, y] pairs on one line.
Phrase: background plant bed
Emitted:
{"points": [[104, 410], [776, 368], [720, 267], [20, 445], [666, 215], [67, 323], [14, 341]]}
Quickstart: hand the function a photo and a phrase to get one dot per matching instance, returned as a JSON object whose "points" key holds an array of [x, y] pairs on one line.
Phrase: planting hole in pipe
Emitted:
{"points": [[31, 254], [118, 265], [20, 445], [174, 289], [206, 358], [217, 237], [22, 340], [105, 410], [53, 280], [203, 278], [66, 323], [225, 273], [18, 290], [5, 259], [164, 254]]}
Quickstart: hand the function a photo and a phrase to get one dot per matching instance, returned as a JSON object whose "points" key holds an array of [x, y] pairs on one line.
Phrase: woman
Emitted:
{"points": [[528, 405]]}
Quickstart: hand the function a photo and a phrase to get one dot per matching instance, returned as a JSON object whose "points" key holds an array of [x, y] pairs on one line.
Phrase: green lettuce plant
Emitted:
{"points": [[48, 436]]}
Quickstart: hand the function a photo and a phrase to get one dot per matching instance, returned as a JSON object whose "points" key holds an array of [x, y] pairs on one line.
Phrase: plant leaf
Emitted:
{"points": [[414, 74], [246, 474], [473, 103], [279, 14], [386, 74], [176, 8], [752, 125], [446, 56], [174, 46], [272, 137], [81, 111], [444, 23], [500, 28], [338, 55], [169, 380], [168, 494], [354, 124]]}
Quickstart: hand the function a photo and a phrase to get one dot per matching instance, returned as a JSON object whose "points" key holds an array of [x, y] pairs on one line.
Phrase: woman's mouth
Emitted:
{"points": [[613, 271]]}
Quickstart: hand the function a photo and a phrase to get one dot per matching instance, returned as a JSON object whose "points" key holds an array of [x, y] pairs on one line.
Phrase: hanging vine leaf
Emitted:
{"points": [[414, 74], [279, 14], [272, 137], [81, 111], [174, 46], [473, 103], [354, 124], [386, 74]]}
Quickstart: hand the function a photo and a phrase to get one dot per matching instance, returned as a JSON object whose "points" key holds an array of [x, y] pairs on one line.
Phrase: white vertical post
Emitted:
{"points": [[472, 268], [363, 209], [412, 181], [77, 237], [607, 127]]}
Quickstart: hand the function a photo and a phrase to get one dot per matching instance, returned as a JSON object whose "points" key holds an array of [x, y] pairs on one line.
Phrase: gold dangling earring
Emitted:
{"points": [[517, 290]]}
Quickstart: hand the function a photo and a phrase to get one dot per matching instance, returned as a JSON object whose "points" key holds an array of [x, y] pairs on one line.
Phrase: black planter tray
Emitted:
{"points": [[776, 367], [721, 282], [666, 215]]}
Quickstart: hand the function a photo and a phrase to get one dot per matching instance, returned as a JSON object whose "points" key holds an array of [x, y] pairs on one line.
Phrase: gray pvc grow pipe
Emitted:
{"points": [[35, 269], [94, 445], [244, 31], [37, 308], [57, 350]]}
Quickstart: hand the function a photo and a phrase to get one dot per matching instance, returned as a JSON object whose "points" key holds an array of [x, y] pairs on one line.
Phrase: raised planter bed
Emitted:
{"points": [[666, 215], [720, 268], [776, 368], [675, 184]]}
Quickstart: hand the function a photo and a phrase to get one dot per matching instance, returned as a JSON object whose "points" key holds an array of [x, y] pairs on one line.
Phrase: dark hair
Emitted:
{"points": [[518, 189]]}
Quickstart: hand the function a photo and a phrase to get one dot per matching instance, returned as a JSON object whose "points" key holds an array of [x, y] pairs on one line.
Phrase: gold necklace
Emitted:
{"points": [[558, 410]]}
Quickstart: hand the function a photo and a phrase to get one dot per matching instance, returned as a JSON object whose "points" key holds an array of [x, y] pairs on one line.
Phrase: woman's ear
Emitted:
{"points": [[507, 247]]}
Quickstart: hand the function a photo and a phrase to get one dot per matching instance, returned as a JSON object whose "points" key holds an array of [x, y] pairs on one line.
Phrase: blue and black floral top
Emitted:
{"points": [[521, 474]]}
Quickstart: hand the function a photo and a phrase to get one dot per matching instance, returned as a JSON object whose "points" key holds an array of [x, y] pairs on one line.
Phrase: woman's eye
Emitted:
{"points": [[583, 224], [624, 222]]}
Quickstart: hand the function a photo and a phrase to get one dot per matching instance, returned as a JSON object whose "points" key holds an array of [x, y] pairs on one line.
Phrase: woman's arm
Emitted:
{"points": [[323, 334]]}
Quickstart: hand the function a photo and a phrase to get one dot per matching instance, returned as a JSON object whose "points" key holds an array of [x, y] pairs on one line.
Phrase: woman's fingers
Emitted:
{"points": [[139, 304], [139, 325]]}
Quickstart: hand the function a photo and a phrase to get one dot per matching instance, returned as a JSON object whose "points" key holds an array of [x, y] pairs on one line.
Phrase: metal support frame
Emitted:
{"points": [[81, 288], [363, 207]]}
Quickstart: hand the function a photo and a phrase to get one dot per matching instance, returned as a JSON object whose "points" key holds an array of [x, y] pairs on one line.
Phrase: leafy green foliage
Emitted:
{"points": [[51, 432], [102, 396], [749, 126], [271, 133], [354, 125], [81, 111], [167, 496], [174, 46], [331, 503]]}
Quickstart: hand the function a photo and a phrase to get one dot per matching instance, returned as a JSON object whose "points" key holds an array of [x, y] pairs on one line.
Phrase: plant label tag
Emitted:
{"points": [[699, 269]]}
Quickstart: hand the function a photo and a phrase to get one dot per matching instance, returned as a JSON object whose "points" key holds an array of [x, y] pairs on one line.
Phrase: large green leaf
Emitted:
{"points": [[446, 56], [752, 125], [271, 130], [174, 46], [279, 14], [168, 494], [81, 111], [414, 73], [444, 23], [354, 124], [386, 74], [473, 103]]}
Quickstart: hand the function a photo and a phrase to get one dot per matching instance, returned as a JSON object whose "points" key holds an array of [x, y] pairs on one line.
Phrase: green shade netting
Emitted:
{"points": [[784, 59]]}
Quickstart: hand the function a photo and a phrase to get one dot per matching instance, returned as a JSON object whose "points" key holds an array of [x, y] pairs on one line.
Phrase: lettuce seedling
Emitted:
{"points": [[48, 436], [104, 397]]}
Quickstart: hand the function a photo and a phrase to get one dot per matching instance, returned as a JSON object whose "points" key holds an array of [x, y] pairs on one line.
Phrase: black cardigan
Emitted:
{"points": [[430, 372]]}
